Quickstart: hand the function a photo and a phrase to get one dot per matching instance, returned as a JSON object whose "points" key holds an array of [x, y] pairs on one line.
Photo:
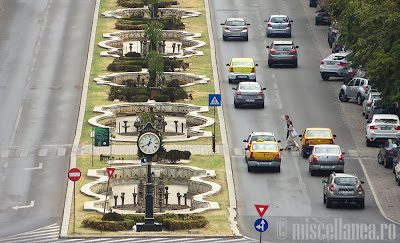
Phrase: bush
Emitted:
{"points": [[133, 54], [174, 83], [186, 154], [130, 94], [161, 98], [113, 217], [131, 3], [174, 93], [181, 221], [139, 98], [108, 225], [174, 156]]}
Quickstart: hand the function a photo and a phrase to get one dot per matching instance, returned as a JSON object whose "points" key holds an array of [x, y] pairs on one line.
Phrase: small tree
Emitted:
{"points": [[155, 34], [155, 64]]}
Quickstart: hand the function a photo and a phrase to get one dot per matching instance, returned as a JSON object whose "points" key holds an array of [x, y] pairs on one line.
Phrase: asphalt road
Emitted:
{"points": [[294, 197], [43, 45]]}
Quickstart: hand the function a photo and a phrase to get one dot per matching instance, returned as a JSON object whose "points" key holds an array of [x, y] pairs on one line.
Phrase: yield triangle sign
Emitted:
{"points": [[261, 209], [214, 101], [110, 172]]}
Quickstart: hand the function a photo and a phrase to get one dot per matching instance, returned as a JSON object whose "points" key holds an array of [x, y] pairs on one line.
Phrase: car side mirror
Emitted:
{"points": [[256, 64], [246, 148], [227, 64], [300, 136], [279, 141], [362, 182], [248, 24], [222, 23], [343, 152], [281, 149], [263, 88], [234, 88], [334, 136], [324, 181], [297, 46], [291, 21], [244, 140], [266, 20], [267, 47]]}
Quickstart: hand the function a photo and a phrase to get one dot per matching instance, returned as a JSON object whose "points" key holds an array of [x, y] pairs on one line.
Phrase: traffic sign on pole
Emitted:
{"points": [[261, 209], [101, 136], [74, 174], [214, 99], [110, 172], [261, 225]]}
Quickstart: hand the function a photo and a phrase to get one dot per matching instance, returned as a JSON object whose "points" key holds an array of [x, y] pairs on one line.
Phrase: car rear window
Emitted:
{"points": [[249, 86], [242, 64], [319, 133], [279, 20], [262, 137], [236, 23], [283, 47], [327, 150], [345, 181], [386, 121], [264, 146]]}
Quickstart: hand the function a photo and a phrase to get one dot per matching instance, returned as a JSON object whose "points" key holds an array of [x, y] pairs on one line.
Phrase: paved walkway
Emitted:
{"points": [[132, 149]]}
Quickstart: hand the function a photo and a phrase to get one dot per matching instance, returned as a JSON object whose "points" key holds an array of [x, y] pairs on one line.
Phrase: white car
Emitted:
{"points": [[334, 65], [367, 103], [382, 127], [397, 173]]}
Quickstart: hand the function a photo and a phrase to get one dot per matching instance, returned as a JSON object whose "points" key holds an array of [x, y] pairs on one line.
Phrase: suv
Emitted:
{"points": [[335, 65], [241, 69], [235, 28], [382, 127], [372, 97], [388, 153], [279, 25], [322, 17], [255, 136], [341, 188], [357, 89], [282, 52]]}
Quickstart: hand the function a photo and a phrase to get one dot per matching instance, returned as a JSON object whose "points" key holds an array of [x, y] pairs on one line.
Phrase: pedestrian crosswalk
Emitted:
{"points": [[51, 234], [41, 151]]}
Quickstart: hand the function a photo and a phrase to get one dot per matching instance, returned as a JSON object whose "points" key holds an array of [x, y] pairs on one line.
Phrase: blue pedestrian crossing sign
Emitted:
{"points": [[261, 225], [214, 100]]}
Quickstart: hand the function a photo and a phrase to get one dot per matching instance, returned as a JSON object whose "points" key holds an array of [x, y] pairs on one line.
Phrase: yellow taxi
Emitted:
{"points": [[241, 69], [263, 154], [313, 136]]}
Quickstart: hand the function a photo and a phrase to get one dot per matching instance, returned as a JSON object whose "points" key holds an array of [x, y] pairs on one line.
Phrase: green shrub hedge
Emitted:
{"points": [[131, 3], [161, 98]]}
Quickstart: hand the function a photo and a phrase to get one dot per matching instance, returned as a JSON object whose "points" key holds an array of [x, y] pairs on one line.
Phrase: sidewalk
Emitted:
{"points": [[132, 149]]}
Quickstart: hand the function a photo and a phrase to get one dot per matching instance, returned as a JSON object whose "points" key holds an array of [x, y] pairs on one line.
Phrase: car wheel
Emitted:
{"points": [[316, 22], [246, 38], [313, 172], [380, 161], [342, 96], [324, 198], [236, 105], [224, 38], [249, 168], [290, 35], [262, 105], [278, 169], [325, 77], [295, 64], [361, 204], [359, 99], [398, 182], [229, 80], [305, 155], [328, 203], [270, 64], [268, 35], [369, 143], [395, 177], [386, 163]]}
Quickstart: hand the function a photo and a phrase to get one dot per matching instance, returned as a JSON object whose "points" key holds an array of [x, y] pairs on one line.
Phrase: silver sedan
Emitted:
{"points": [[235, 28], [248, 93], [279, 25], [326, 157]]}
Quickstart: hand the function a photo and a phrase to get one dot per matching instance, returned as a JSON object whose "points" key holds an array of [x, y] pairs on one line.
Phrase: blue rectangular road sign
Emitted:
{"points": [[214, 100]]}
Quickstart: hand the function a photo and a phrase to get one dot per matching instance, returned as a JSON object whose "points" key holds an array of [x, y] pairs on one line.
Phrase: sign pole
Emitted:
{"points": [[74, 174], [214, 133], [92, 143], [73, 231], [110, 147]]}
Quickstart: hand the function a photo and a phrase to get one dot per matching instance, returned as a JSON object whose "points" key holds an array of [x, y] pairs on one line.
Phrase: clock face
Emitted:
{"points": [[149, 143]]}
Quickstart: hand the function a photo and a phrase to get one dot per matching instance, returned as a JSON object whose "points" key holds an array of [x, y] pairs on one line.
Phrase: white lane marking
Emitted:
{"points": [[42, 152], [26, 206], [353, 153], [6, 164], [24, 153], [4, 153], [15, 126], [36, 168], [61, 151], [374, 193]]}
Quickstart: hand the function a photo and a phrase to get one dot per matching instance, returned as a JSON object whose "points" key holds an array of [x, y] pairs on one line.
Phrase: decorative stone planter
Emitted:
{"points": [[124, 13]]}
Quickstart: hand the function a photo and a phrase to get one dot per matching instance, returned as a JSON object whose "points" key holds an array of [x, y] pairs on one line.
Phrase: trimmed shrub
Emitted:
{"points": [[174, 83], [108, 225], [173, 156], [161, 98], [113, 217], [131, 3], [130, 94], [186, 154], [139, 98], [133, 54]]}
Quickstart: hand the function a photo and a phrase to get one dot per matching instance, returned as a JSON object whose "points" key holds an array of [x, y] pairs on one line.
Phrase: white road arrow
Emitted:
{"points": [[36, 168], [27, 206], [261, 225]]}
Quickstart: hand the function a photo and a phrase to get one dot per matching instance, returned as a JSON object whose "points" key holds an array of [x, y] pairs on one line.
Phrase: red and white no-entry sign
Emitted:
{"points": [[74, 174]]}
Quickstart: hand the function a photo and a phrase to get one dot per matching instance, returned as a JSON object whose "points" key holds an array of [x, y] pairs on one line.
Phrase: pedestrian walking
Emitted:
{"points": [[287, 125], [292, 134]]}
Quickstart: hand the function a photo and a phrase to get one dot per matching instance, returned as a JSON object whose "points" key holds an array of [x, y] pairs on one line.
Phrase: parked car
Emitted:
{"points": [[357, 89], [282, 52], [397, 173], [263, 154], [382, 127], [376, 108], [372, 97], [255, 136], [335, 65], [341, 188], [313, 3], [279, 25], [241, 69], [235, 28], [354, 72], [326, 157], [314, 136], [322, 17], [388, 153], [332, 32], [248, 93]]}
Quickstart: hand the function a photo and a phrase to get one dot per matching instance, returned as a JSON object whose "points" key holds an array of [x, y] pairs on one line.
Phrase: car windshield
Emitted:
{"points": [[279, 20], [242, 64], [327, 150], [386, 121], [235, 23], [319, 133], [249, 86], [283, 47], [262, 137], [264, 146], [345, 181]]}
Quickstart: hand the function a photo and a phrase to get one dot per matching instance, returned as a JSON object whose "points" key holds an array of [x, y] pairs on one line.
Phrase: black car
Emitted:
{"points": [[388, 153], [313, 3], [322, 17]]}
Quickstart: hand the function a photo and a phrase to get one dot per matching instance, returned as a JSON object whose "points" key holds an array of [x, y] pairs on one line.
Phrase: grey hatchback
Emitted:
{"points": [[279, 25], [282, 52], [235, 28], [248, 93]]}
